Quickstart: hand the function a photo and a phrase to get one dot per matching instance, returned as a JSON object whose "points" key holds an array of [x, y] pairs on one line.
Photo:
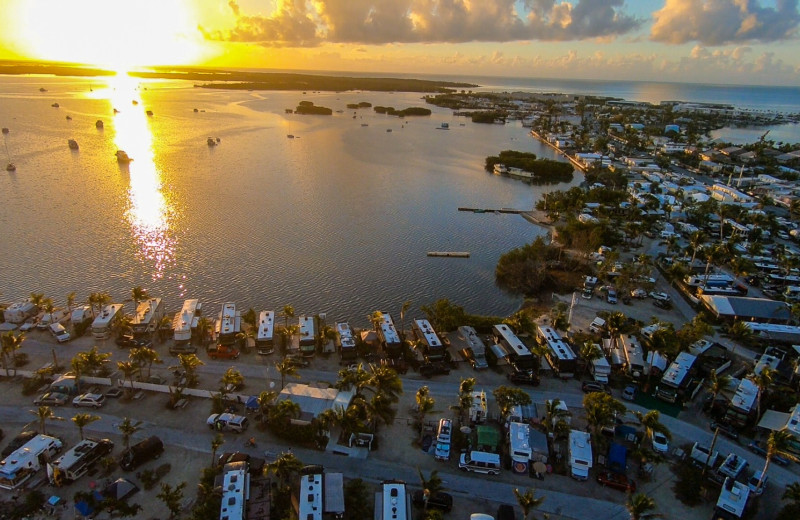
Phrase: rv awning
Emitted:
{"points": [[773, 420]]}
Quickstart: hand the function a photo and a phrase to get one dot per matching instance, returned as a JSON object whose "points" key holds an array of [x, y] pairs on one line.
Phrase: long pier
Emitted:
{"points": [[489, 210], [449, 254]]}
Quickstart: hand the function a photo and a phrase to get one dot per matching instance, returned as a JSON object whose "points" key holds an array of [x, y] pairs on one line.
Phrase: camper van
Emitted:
{"points": [[480, 462], [519, 447], [19, 312], [78, 461], [393, 501], [580, 454], [600, 368], [101, 326], [676, 380], [432, 346], [478, 409], [443, 438], [518, 353], [22, 464]]}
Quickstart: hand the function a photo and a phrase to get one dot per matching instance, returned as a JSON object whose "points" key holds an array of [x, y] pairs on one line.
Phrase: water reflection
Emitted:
{"points": [[149, 211]]}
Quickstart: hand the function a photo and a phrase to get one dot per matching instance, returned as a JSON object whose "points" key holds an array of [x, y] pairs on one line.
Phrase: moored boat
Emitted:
{"points": [[123, 157], [73, 144], [10, 167], [99, 123]]}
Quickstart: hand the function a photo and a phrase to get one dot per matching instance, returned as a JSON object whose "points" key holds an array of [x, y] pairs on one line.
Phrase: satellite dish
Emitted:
{"points": [[466, 429], [272, 384]]}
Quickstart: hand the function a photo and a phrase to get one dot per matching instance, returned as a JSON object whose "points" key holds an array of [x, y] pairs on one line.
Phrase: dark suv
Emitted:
{"points": [[523, 377], [441, 500]]}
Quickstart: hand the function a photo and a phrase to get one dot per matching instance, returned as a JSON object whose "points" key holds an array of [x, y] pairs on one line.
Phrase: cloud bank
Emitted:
{"points": [[722, 22], [306, 23]]}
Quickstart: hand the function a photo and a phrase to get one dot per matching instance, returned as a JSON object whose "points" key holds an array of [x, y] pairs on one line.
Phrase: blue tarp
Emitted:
{"points": [[251, 403], [617, 457]]}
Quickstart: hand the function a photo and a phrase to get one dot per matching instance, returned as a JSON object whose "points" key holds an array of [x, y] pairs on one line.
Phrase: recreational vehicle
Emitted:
{"points": [[321, 494], [235, 491], [186, 321], [390, 340], [519, 447], [580, 454], [475, 352], [19, 312], [310, 497], [345, 342], [81, 315], [265, 338], [307, 337], [76, 462], [229, 324], [101, 326], [147, 317], [393, 501], [677, 378], [518, 354], [22, 464], [600, 368], [432, 346], [742, 408], [477, 411], [50, 318], [634, 356], [732, 500], [559, 354]]}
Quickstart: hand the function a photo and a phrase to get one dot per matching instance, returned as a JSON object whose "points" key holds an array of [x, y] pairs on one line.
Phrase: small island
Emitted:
{"points": [[362, 104], [526, 165], [410, 111], [308, 108]]}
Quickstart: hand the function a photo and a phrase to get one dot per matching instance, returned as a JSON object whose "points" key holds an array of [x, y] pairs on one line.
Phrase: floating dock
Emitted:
{"points": [[501, 210], [450, 254]]}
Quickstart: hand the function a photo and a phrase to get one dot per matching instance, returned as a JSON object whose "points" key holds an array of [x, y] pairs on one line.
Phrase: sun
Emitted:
{"points": [[114, 34]]}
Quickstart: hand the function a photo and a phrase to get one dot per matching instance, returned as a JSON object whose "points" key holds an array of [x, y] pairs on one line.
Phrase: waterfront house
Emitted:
{"points": [[737, 308]]}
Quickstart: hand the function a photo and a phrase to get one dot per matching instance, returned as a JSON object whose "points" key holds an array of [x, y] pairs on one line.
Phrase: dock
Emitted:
{"points": [[489, 210], [449, 254]]}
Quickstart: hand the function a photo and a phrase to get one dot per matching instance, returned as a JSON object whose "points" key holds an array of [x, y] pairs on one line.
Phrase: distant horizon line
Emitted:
{"points": [[366, 74]]}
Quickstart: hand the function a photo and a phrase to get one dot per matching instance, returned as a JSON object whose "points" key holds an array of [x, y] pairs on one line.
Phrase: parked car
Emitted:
{"points": [[51, 399], [128, 341], [593, 386], [505, 512], [587, 294], [17, 442], [59, 332], [724, 429], [182, 348], [432, 369], [755, 447], [659, 296], [629, 392], [660, 443], [440, 500], [89, 401], [223, 352], [662, 304], [611, 296], [114, 392], [639, 294], [752, 483], [141, 452], [523, 377], [227, 422], [616, 481]]}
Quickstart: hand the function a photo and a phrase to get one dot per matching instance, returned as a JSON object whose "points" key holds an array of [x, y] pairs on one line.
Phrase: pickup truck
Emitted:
{"points": [[227, 422], [222, 352]]}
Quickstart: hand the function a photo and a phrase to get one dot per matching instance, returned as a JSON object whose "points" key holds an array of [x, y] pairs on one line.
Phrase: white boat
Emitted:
{"points": [[123, 157]]}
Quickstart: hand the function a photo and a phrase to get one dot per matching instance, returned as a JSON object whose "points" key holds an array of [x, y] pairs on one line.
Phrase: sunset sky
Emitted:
{"points": [[705, 41]]}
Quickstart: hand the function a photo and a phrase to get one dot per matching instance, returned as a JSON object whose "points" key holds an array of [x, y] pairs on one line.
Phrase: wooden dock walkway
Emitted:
{"points": [[449, 254], [490, 210]]}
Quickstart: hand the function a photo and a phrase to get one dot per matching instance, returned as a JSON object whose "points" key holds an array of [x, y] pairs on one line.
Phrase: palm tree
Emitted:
{"points": [[232, 379], [589, 353], [385, 381], [284, 467], [138, 295], [717, 383], [696, 241], [638, 506], [356, 378], [403, 309], [763, 381], [203, 328], [37, 299], [70, 301], [216, 442], [265, 400], [425, 404], [172, 498], [615, 324], [93, 360], [651, 424], [43, 414], [49, 307], [792, 491], [284, 411], [145, 356], [778, 443], [127, 428], [430, 486], [82, 420], [527, 502], [288, 312], [379, 407], [286, 368], [128, 369], [11, 342], [189, 364], [554, 415]]}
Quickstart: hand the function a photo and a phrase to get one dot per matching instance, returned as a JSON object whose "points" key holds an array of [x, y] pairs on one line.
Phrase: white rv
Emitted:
{"points": [[51, 318], [676, 380], [229, 324], [307, 338], [78, 461], [186, 320], [235, 491], [600, 368], [732, 500], [519, 447], [310, 497], [580, 454], [265, 339], [393, 501], [345, 341], [101, 326], [478, 409], [81, 314], [634, 356], [21, 465], [147, 316], [20, 311]]}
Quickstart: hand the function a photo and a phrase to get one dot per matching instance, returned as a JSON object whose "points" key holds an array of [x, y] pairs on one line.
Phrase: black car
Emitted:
{"points": [[128, 341], [725, 429], [441, 500], [433, 369], [662, 304], [593, 386], [523, 377], [17, 442]]}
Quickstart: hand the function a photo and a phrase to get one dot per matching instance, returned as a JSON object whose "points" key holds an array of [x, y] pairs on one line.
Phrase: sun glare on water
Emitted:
{"points": [[114, 34]]}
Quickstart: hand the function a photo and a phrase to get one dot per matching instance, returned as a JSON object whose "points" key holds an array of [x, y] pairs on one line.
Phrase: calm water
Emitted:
{"points": [[337, 220]]}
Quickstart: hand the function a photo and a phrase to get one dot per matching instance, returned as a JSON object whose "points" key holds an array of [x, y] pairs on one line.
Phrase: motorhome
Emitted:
{"points": [[81, 315], [558, 353], [22, 464], [229, 324], [147, 316], [78, 461], [101, 326], [634, 355], [186, 321], [50, 318], [478, 409], [580, 454], [19, 312], [518, 354], [265, 337], [307, 337], [475, 352], [600, 368], [767, 360], [235, 490], [742, 407], [676, 380], [390, 340], [310, 497], [432, 346], [480, 462], [393, 501], [519, 447], [732, 501], [345, 342], [321, 494]]}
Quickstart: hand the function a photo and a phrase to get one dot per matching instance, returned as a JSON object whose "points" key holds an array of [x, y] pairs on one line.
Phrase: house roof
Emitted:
{"points": [[747, 308], [313, 400]]}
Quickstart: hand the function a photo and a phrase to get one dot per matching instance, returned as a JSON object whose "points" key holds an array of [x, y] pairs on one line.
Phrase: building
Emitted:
{"points": [[733, 308], [313, 400]]}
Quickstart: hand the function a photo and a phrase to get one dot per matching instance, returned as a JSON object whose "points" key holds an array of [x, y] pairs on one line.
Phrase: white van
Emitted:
{"points": [[59, 332], [480, 462]]}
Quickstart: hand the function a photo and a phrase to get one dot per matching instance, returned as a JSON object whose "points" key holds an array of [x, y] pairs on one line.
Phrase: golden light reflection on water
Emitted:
{"points": [[149, 211]]}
